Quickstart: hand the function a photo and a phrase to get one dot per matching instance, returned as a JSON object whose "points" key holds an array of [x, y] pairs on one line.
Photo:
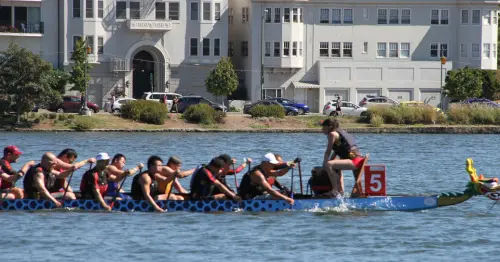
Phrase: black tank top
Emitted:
{"points": [[137, 193], [345, 145], [247, 189], [30, 190], [201, 185]]}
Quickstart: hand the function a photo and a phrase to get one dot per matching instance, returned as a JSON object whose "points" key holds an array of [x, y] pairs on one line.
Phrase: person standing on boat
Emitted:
{"points": [[39, 181], [94, 184], [145, 184], [169, 174], [343, 145], [9, 176], [115, 174], [255, 184], [64, 163], [204, 182]]}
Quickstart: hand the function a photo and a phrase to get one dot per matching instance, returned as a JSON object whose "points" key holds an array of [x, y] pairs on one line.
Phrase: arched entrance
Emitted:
{"points": [[144, 73]]}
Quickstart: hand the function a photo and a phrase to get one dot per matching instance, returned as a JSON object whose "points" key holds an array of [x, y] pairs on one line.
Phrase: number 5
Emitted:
{"points": [[375, 184]]}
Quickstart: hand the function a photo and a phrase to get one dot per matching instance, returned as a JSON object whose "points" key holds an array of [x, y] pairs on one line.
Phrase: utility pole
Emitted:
{"points": [[262, 46], [443, 62], [85, 108]]}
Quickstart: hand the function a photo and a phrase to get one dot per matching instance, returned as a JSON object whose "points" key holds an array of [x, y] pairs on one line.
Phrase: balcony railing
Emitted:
{"points": [[149, 25], [119, 65], [33, 28]]}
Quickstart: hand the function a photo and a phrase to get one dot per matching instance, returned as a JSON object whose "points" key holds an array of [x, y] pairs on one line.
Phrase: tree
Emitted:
{"points": [[23, 78], [491, 86], [80, 69], [222, 81], [464, 83]]}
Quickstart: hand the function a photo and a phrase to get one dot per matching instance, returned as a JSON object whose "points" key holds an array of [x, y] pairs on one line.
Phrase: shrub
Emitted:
{"points": [[474, 114], [52, 116], [234, 109], [203, 114], [145, 111], [62, 117], [267, 111], [376, 121], [405, 115], [83, 123]]}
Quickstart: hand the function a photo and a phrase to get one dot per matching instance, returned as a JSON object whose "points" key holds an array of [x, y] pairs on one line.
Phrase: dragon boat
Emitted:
{"points": [[477, 186]]}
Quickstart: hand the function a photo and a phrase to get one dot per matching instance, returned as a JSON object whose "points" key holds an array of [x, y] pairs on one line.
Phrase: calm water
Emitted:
{"points": [[415, 164]]}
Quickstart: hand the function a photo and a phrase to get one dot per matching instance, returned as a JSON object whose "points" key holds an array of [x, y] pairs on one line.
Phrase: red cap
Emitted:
{"points": [[12, 149]]}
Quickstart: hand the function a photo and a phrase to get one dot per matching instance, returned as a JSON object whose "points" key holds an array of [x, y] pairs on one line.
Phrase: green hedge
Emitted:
{"points": [[407, 115], [474, 115], [267, 111], [203, 114], [83, 123], [145, 111]]}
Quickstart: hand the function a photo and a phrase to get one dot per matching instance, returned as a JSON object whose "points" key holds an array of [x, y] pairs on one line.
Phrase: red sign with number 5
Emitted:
{"points": [[375, 180]]}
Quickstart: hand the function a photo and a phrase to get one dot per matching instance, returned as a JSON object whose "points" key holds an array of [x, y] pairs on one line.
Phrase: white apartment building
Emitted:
{"points": [[136, 45], [313, 50]]}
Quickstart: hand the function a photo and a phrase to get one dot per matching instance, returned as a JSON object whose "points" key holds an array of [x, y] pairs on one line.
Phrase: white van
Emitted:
{"points": [[159, 97]]}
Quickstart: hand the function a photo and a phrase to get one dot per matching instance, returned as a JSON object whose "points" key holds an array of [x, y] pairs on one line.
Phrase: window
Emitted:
{"points": [[393, 16], [135, 10], [336, 16], [465, 16], [382, 16], [487, 17], [173, 11], [244, 15], [230, 48], [435, 17], [381, 49], [277, 49], [160, 10], [277, 15], [444, 17], [217, 11], [494, 49], [463, 50], [294, 48], [347, 16], [406, 16], [476, 15], [486, 50], [475, 50], [76, 38], [100, 45], [324, 16], [495, 17], [267, 49], [443, 51], [194, 47], [100, 8], [323, 49], [206, 12], [347, 50], [393, 49], [206, 47], [89, 9], [267, 15], [286, 15], [300, 48], [194, 11], [230, 16], [267, 93], [365, 48], [89, 40], [405, 50], [301, 15], [216, 47], [286, 48], [295, 15], [244, 48], [336, 49], [434, 50], [77, 8]]}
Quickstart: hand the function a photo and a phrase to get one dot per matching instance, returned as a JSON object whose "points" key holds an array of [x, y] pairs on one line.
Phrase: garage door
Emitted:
{"points": [[430, 97], [331, 94], [401, 95], [361, 93]]}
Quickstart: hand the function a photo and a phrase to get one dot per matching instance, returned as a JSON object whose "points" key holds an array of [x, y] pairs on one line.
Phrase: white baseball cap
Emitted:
{"points": [[271, 158], [102, 156]]}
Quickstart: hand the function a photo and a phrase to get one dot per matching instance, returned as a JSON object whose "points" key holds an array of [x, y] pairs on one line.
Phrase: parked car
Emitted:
{"points": [[370, 100], [289, 110], [480, 101], [72, 104], [116, 107], [302, 108], [348, 108], [187, 101], [160, 96]]}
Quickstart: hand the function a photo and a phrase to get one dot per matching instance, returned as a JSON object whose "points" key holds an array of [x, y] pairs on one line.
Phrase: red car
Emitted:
{"points": [[72, 104]]}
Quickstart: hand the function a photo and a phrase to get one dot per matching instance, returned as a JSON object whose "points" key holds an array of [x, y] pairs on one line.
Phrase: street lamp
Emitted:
{"points": [[443, 62], [85, 109], [262, 44]]}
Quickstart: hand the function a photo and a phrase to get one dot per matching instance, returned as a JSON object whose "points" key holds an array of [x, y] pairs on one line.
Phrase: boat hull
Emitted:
{"points": [[389, 203]]}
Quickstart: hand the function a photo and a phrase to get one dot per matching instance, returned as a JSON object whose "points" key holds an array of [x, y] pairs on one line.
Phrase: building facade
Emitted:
{"points": [[135, 46], [313, 50]]}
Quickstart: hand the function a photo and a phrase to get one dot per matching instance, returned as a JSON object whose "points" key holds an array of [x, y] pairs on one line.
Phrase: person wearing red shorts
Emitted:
{"points": [[344, 147]]}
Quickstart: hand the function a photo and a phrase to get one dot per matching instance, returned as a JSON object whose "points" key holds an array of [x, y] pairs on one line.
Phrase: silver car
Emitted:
{"points": [[347, 108]]}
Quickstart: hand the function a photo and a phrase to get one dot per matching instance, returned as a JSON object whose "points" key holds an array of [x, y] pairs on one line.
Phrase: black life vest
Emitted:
{"points": [[249, 190], [202, 186], [88, 182], [30, 190], [345, 147], [136, 191]]}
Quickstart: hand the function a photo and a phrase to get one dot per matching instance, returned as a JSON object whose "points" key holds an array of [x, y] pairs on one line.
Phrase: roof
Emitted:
{"points": [[305, 84]]}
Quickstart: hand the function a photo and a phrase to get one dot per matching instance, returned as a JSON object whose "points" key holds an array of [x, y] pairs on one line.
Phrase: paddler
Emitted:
{"points": [[64, 163], [228, 171], [145, 184], [94, 184], [343, 145], [255, 184], [168, 179], [115, 174], [9, 176], [39, 181], [204, 182]]}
